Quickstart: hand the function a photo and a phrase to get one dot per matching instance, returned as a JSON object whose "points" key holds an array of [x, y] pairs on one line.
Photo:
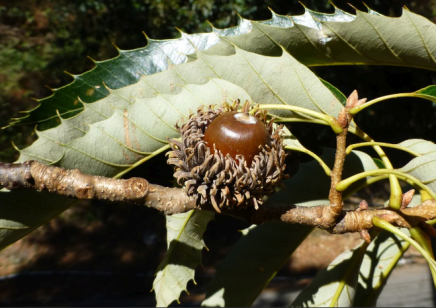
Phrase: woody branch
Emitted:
{"points": [[73, 183]]}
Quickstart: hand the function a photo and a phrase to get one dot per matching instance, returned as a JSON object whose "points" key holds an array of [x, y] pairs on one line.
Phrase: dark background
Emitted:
{"points": [[107, 252]]}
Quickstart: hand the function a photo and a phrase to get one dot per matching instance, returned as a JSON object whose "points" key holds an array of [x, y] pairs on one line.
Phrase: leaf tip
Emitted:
{"points": [[94, 61], [210, 24], [51, 89], [70, 74], [15, 146], [272, 11], [180, 30], [116, 47], [357, 10], [302, 4]]}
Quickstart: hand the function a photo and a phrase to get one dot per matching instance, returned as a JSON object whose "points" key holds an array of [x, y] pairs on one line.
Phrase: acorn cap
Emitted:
{"points": [[223, 180]]}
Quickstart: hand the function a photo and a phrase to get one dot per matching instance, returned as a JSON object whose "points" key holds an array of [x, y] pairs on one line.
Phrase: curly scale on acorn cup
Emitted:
{"points": [[228, 158]]}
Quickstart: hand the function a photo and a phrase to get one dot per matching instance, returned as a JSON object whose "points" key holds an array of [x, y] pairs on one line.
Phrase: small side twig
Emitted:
{"points": [[335, 196]]}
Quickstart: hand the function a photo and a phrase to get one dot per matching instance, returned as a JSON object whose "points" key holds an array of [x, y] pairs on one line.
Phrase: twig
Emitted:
{"points": [[335, 196]]}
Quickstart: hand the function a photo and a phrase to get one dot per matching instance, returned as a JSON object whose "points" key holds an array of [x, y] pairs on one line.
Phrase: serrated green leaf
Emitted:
{"points": [[142, 128], [341, 38], [133, 123], [257, 75], [21, 212], [312, 38], [185, 243], [123, 70], [252, 263], [132, 132]]}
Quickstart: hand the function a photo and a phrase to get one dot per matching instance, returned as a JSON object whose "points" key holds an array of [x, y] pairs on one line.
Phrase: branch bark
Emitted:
{"points": [[73, 183]]}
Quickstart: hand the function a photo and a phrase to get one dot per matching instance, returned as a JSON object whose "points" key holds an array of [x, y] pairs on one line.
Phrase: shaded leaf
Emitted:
{"points": [[130, 134], [21, 212], [185, 243], [252, 263]]}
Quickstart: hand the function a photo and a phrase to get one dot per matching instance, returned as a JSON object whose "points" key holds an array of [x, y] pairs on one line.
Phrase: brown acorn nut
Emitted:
{"points": [[228, 158], [237, 133]]}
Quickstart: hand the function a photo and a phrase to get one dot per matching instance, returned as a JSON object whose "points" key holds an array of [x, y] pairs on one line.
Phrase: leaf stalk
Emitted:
{"points": [[380, 99], [347, 182], [383, 144], [321, 116], [396, 192]]}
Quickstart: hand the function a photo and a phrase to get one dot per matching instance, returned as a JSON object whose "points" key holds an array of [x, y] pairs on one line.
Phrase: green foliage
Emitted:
{"points": [[114, 117], [356, 277], [241, 277], [185, 243], [23, 212]]}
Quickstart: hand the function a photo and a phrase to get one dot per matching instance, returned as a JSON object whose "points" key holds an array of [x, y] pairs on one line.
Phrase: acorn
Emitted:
{"points": [[228, 158]]}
